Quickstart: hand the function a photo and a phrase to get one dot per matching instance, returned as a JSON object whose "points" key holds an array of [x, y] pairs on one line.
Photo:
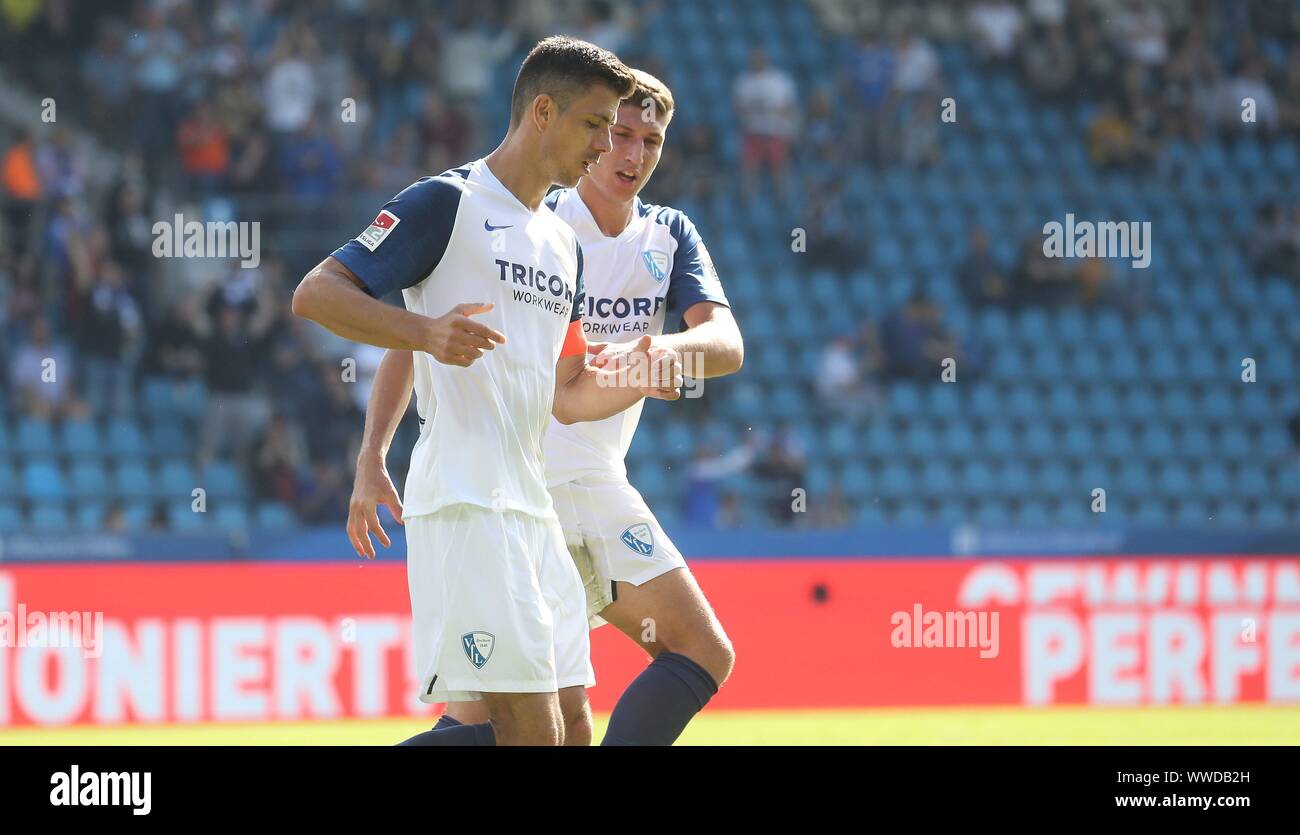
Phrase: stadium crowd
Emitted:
{"points": [[234, 108]]}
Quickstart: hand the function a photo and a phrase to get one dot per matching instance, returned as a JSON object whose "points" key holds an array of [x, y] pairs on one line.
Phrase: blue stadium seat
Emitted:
{"points": [[88, 480], [124, 439], [132, 480], [176, 480], [230, 518], [9, 484], [11, 518], [182, 518], [222, 480], [50, 518], [81, 438], [43, 481], [35, 437]]}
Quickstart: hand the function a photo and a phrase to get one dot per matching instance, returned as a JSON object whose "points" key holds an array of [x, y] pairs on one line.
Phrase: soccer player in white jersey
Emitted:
{"points": [[493, 286], [643, 264]]}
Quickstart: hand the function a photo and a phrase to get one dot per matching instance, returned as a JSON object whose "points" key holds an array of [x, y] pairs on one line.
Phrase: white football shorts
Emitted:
{"points": [[612, 535], [497, 605]]}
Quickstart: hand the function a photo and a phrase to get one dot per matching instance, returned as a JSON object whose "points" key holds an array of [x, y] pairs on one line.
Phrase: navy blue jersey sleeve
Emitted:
{"points": [[407, 239], [579, 290], [693, 278]]}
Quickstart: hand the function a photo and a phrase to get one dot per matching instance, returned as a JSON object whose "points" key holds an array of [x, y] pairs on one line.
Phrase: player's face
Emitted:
{"points": [[638, 139], [581, 134]]}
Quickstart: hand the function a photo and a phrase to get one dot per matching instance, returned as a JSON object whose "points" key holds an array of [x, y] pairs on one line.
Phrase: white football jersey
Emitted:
{"points": [[656, 268], [464, 237]]}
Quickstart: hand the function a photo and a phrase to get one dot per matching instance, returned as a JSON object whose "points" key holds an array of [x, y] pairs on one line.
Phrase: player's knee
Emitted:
{"points": [[712, 651], [578, 729], [721, 658], [513, 730]]}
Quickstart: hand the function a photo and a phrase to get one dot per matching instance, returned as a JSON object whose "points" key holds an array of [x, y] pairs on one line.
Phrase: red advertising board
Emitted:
{"points": [[266, 641]]}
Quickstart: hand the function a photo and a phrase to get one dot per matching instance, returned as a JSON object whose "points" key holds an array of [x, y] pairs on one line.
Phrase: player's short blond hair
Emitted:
{"points": [[650, 88]]}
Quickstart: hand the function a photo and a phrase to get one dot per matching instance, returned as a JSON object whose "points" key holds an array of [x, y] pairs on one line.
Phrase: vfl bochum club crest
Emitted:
{"points": [[478, 647], [656, 261], [639, 539]]}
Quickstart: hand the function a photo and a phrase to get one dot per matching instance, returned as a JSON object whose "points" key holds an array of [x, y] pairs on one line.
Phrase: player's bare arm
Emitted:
{"points": [[390, 394], [711, 335], [584, 392], [331, 295]]}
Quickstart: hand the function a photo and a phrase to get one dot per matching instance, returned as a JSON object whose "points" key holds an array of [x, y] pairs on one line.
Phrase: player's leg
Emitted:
{"points": [[659, 605], [525, 718], [487, 633], [671, 614], [562, 589], [574, 710], [669, 617]]}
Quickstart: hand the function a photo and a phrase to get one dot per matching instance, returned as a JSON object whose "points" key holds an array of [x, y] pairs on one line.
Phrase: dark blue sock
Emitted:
{"points": [[455, 733], [657, 705]]}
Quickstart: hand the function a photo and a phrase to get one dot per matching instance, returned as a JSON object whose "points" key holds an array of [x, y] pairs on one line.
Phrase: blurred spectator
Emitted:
{"points": [[41, 373], [471, 46], [841, 383], [830, 234], [982, 280], [110, 334], [1139, 29], [598, 24], [1251, 83], [915, 342], [781, 465], [232, 351], [444, 131], [1113, 142], [702, 501], [325, 495], [1098, 61], [310, 167], [731, 514], [115, 518], [290, 91], [23, 189], [824, 131], [1040, 280], [917, 68], [1289, 94], [918, 139], [279, 458], [1093, 282], [106, 72], [766, 106], [869, 77], [1273, 248], [130, 229], [830, 510], [1049, 63], [156, 51], [333, 429], [175, 342], [996, 25], [203, 146]]}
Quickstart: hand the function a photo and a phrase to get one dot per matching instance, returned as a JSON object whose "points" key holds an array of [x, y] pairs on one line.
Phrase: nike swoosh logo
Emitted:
{"points": [[489, 227]]}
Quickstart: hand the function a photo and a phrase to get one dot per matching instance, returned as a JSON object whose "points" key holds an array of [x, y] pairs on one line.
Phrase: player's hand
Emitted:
{"points": [[456, 339], [655, 371], [371, 488], [610, 356]]}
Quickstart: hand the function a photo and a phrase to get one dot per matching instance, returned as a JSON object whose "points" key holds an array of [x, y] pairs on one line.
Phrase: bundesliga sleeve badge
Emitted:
{"points": [[378, 229]]}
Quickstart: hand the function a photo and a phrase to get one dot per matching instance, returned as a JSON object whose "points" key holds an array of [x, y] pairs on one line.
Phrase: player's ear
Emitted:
{"points": [[543, 111]]}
